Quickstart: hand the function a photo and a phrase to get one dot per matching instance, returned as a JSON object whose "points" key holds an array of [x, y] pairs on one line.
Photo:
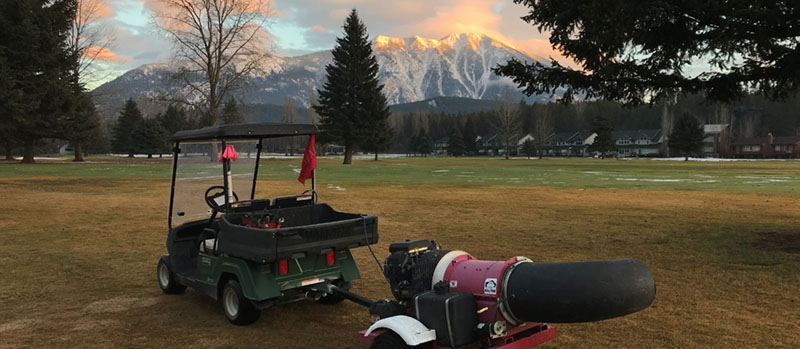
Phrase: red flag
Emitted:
{"points": [[229, 154], [309, 162]]}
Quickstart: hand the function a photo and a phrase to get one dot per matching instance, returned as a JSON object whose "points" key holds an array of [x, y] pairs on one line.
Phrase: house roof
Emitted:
{"points": [[751, 140], [651, 134], [255, 130], [786, 140]]}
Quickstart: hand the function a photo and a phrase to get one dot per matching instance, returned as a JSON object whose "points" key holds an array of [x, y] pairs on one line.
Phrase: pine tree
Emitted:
{"points": [[470, 138], [39, 68], [230, 113], [604, 142], [687, 136], [455, 144], [422, 143], [130, 119], [81, 125], [528, 148], [173, 120], [352, 107], [150, 138]]}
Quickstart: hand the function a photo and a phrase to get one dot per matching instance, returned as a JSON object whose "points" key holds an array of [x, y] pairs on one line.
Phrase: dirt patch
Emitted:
{"points": [[16, 325], [115, 305], [782, 241]]}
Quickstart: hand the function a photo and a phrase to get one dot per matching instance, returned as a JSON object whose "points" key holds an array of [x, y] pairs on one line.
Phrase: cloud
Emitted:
{"points": [[102, 54]]}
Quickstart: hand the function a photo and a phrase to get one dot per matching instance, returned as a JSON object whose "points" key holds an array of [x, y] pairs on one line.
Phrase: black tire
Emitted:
{"points": [[334, 298], [166, 278], [391, 340], [239, 310]]}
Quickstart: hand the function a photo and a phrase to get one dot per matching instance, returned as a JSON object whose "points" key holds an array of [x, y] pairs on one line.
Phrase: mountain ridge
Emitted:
{"points": [[411, 69]]}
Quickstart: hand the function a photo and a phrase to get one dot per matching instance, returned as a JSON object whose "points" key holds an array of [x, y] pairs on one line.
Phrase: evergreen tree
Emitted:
{"points": [[130, 119], [352, 106], [643, 51], [174, 119], [528, 148], [150, 138], [687, 135], [81, 125], [455, 144], [39, 68], [604, 142], [470, 138], [423, 144], [230, 113]]}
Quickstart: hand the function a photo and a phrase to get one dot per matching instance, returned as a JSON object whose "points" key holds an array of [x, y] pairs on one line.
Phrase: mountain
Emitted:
{"points": [[411, 69]]}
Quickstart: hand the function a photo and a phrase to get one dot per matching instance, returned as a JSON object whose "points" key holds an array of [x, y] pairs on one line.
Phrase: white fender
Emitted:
{"points": [[444, 263], [412, 331]]}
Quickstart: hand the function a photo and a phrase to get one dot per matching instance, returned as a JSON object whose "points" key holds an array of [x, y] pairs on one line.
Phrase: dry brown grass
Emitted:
{"points": [[78, 257]]}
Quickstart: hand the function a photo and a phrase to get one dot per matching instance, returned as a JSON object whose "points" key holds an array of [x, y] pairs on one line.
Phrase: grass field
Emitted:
{"points": [[81, 242]]}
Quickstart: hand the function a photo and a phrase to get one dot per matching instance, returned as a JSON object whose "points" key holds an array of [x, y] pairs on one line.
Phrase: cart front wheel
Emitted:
{"points": [[166, 278], [238, 309]]}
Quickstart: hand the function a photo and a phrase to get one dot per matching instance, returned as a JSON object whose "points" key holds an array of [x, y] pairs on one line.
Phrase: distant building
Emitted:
{"points": [[440, 145], [716, 140], [767, 147], [574, 143], [638, 142]]}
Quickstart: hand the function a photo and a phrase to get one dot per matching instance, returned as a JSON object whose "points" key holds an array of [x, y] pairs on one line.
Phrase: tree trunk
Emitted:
{"points": [[130, 154], [507, 153], [78, 152], [27, 152], [376, 155], [149, 156], [348, 155], [9, 153], [687, 158]]}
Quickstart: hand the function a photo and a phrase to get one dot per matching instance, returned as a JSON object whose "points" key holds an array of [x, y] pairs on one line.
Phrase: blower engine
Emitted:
{"points": [[462, 300]]}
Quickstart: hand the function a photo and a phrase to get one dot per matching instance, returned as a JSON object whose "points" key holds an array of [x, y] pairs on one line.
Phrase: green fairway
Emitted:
{"points": [[759, 177]]}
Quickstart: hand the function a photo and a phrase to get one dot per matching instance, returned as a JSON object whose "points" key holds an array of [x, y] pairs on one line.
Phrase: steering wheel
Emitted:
{"points": [[210, 196]]}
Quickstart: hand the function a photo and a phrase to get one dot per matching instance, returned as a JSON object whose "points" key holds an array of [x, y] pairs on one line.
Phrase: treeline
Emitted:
{"points": [[135, 133], [752, 116]]}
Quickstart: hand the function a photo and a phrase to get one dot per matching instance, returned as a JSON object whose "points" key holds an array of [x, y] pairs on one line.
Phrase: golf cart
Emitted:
{"points": [[253, 253]]}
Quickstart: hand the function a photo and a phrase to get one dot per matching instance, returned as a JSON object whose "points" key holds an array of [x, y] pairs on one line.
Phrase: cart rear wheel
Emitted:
{"points": [[166, 278], [239, 310]]}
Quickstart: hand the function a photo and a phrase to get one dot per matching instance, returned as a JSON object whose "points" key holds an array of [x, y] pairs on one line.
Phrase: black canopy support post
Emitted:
{"points": [[314, 186], [255, 173], [175, 152]]}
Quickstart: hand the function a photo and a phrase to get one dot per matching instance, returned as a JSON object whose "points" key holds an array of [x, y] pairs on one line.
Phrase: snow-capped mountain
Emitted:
{"points": [[411, 69]]}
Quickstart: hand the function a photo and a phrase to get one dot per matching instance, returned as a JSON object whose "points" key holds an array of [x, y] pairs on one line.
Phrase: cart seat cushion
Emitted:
{"points": [[208, 246]]}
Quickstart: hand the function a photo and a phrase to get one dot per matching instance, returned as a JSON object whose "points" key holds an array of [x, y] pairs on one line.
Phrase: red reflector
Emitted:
{"points": [[329, 258], [283, 267]]}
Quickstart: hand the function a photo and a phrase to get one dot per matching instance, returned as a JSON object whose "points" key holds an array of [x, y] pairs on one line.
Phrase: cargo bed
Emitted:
{"points": [[307, 230]]}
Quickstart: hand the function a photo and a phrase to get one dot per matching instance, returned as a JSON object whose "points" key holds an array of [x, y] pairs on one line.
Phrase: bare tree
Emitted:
{"points": [[89, 39], [542, 128], [289, 115], [507, 124], [217, 43]]}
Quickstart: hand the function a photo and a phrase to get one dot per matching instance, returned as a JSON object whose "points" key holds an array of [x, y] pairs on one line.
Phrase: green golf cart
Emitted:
{"points": [[253, 253]]}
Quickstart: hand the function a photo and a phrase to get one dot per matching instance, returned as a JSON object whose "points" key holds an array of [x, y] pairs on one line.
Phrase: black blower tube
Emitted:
{"points": [[578, 291]]}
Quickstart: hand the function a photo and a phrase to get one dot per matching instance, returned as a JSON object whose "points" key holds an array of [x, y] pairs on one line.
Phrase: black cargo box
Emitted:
{"points": [[451, 314], [307, 230]]}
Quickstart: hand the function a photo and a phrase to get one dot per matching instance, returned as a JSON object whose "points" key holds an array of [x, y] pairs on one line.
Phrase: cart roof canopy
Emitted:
{"points": [[256, 130]]}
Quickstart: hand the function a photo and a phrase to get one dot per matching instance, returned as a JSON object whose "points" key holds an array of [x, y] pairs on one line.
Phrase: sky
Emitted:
{"points": [[304, 26]]}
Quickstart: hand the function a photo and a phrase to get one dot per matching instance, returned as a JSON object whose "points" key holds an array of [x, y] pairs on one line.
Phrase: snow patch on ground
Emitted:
{"points": [[440, 171], [336, 187]]}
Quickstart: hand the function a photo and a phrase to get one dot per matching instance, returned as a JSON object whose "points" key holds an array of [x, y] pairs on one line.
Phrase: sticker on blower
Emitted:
{"points": [[490, 286]]}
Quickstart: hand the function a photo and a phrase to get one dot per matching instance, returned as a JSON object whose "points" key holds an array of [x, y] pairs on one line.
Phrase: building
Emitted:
{"points": [[574, 143], [716, 139], [638, 142], [767, 147]]}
